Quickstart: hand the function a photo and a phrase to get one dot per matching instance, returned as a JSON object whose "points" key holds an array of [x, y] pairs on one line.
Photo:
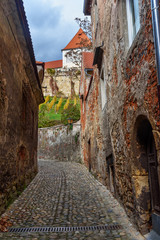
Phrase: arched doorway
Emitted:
{"points": [[111, 173], [145, 175]]}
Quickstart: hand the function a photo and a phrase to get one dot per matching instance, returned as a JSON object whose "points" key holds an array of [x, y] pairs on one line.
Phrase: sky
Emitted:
{"points": [[52, 25]]}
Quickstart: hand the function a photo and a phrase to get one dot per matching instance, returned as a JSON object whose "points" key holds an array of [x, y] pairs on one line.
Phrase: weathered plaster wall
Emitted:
{"points": [[59, 143], [18, 107], [131, 88], [63, 81]]}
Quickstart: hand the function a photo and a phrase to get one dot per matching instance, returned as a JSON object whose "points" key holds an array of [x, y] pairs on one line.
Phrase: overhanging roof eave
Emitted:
{"points": [[87, 7]]}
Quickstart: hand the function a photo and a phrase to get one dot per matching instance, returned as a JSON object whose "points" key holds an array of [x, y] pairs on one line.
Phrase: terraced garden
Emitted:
{"points": [[57, 110]]}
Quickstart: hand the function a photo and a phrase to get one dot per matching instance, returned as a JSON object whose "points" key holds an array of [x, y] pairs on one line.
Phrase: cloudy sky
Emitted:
{"points": [[52, 25]]}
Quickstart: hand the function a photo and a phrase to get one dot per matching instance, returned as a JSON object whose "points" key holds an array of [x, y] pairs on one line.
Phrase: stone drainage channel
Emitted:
{"points": [[65, 229]]}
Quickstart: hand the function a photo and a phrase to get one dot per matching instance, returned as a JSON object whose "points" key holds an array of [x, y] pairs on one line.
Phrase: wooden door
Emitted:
{"points": [[153, 175]]}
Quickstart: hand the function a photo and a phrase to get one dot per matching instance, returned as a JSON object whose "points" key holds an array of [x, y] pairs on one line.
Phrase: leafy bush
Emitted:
{"points": [[67, 104], [43, 109], [50, 105], [47, 99], [59, 105], [51, 71], [72, 112], [46, 122]]}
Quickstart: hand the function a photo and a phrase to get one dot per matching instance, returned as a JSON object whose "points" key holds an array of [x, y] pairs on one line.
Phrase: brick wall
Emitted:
{"points": [[116, 132]]}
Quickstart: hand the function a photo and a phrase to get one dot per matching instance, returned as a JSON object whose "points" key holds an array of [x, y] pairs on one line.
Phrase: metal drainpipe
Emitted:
{"points": [[156, 35]]}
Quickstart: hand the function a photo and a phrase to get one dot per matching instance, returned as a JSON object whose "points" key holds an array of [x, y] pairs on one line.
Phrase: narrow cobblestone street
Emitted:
{"points": [[66, 195]]}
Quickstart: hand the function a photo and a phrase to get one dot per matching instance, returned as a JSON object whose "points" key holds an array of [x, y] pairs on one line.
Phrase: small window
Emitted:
{"points": [[133, 19]]}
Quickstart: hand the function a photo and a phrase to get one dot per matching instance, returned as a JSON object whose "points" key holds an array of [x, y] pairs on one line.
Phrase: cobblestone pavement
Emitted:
{"points": [[65, 194]]}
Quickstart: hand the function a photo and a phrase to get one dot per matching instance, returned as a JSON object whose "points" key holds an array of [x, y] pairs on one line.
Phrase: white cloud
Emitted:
{"points": [[52, 25], [70, 9]]}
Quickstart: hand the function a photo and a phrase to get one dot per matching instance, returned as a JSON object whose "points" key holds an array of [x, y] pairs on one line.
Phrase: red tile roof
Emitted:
{"points": [[87, 59], [76, 41], [54, 64], [38, 62]]}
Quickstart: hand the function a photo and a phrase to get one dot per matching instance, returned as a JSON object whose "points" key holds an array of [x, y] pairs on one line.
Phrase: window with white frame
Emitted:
{"points": [[103, 88], [133, 19]]}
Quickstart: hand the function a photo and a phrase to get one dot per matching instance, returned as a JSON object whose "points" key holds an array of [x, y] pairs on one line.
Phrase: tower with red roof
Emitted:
{"points": [[76, 45]]}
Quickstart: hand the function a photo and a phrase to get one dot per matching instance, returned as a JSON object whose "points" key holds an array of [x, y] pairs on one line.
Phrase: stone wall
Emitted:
{"points": [[20, 95], [116, 134], [60, 143], [63, 82]]}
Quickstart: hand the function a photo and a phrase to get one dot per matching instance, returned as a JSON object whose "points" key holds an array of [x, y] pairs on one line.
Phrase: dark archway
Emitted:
{"points": [[145, 174], [111, 173]]}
